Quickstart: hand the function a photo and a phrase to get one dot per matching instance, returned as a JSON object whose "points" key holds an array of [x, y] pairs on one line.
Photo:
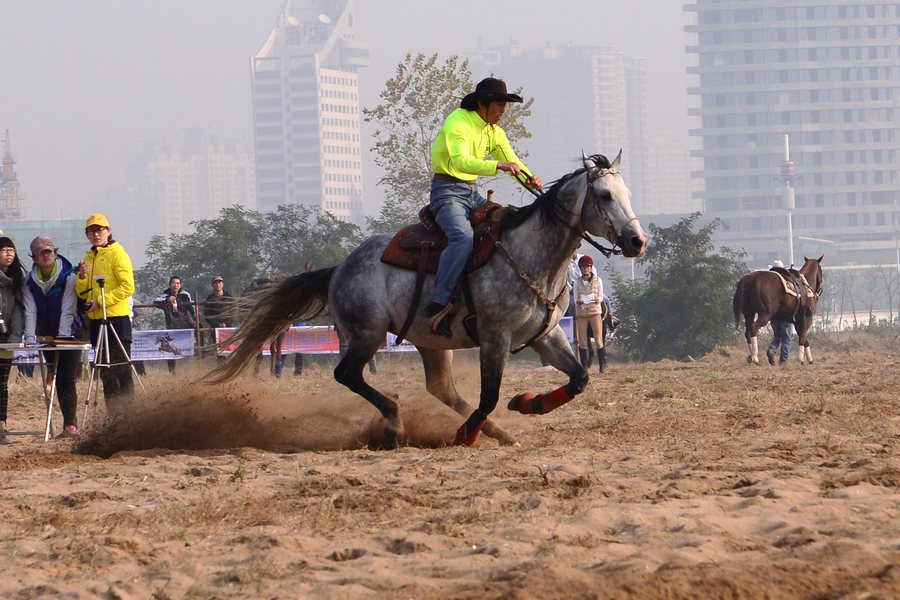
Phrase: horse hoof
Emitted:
{"points": [[523, 403]]}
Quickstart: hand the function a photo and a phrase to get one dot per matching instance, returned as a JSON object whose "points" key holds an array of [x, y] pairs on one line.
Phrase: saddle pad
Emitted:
{"points": [[788, 287]]}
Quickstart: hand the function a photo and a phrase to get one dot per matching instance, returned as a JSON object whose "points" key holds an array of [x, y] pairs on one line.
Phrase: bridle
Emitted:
{"points": [[523, 179]]}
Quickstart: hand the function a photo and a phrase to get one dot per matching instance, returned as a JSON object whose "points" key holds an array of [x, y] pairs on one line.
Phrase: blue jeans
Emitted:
{"points": [[781, 336], [451, 204]]}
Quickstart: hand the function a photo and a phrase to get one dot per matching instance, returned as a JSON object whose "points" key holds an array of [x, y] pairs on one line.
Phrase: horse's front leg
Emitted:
{"points": [[803, 343], [493, 355], [554, 347], [439, 382]]}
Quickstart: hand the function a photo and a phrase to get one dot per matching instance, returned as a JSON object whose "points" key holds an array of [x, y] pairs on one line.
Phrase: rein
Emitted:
{"points": [[523, 178]]}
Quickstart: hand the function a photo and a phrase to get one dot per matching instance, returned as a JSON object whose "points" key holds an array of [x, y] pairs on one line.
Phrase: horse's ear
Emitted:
{"points": [[819, 260], [618, 159], [588, 163]]}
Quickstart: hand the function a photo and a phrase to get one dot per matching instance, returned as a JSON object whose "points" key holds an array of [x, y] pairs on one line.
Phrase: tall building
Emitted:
{"points": [[169, 187], [825, 73], [306, 114], [586, 98], [198, 180]]}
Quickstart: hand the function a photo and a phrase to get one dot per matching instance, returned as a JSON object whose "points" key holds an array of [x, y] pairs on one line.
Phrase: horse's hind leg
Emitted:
{"points": [[349, 372], [439, 383]]}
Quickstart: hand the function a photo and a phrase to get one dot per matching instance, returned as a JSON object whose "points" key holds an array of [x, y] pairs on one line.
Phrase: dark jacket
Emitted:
{"points": [[183, 316], [216, 308]]}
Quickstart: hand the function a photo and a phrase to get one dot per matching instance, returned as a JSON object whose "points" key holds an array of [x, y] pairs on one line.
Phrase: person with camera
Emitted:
{"points": [[51, 310], [178, 309], [106, 274], [12, 320]]}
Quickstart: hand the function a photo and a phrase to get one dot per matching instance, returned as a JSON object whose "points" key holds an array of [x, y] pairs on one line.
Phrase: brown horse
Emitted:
{"points": [[761, 296]]}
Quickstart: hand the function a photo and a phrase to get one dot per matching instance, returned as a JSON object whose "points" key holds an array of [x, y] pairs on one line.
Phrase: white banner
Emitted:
{"points": [[161, 344]]}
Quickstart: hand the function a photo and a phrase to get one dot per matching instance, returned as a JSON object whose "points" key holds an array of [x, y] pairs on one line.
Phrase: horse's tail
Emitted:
{"points": [[737, 303], [298, 298]]}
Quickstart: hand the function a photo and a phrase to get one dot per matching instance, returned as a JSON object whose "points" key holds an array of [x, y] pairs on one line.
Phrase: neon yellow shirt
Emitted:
{"points": [[464, 143]]}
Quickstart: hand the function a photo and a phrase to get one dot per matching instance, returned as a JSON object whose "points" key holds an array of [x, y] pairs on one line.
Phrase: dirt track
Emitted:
{"points": [[710, 479]]}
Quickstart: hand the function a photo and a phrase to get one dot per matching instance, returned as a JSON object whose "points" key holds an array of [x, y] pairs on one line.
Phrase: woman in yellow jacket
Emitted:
{"points": [[106, 272]]}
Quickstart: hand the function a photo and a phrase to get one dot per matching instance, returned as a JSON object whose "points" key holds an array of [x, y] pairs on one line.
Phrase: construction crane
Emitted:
{"points": [[11, 205]]}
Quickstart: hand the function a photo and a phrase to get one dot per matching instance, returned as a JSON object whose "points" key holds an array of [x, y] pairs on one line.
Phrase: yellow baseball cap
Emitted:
{"points": [[96, 219]]}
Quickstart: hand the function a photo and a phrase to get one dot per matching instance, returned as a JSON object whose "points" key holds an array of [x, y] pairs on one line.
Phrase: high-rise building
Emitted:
{"points": [[198, 180], [824, 73], [169, 187], [586, 98], [306, 114]]}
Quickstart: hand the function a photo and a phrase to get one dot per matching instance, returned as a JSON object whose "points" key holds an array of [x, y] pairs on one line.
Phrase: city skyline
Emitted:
{"points": [[77, 124]]}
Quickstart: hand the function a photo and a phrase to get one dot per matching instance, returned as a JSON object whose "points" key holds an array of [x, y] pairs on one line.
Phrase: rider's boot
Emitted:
{"points": [[583, 357], [601, 358], [440, 317]]}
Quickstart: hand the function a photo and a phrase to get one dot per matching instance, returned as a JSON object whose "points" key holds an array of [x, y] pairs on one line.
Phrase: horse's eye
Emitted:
{"points": [[604, 195]]}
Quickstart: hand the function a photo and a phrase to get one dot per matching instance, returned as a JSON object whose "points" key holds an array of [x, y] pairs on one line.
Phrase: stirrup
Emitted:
{"points": [[449, 310]]}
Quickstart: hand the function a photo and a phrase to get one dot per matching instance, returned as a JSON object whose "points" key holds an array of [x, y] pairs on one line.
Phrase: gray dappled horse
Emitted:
{"points": [[519, 295], [760, 297]]}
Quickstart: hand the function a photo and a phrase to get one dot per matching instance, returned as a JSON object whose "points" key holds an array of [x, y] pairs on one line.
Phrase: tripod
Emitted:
{"points": [[102, 358]]}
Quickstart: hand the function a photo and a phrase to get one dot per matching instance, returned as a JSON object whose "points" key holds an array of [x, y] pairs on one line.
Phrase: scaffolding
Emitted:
{"points": [[11, 200]]}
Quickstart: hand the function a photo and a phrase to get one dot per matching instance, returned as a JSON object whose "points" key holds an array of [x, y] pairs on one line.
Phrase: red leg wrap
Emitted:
{"points": [[554, 399], [468, 432], [527, 404]]}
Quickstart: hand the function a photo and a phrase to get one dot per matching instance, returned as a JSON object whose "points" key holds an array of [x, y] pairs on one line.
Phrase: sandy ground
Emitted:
{"points": [[709, 479]]}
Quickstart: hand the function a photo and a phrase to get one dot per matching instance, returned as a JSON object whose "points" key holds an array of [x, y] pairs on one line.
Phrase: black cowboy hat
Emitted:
{"points": [[491, 90]]}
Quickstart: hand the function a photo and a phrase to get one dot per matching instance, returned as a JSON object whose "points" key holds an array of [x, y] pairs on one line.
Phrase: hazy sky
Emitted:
{"points": [[82, 82]]}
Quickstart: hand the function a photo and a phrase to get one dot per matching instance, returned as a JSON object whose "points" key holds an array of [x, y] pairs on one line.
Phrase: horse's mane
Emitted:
{"points": [[547, 205]]}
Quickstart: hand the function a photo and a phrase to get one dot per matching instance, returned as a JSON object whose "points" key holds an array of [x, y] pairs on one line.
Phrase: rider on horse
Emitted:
{"points": [[458, 156]]}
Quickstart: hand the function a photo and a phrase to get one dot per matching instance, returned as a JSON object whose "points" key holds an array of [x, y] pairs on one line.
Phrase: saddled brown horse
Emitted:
{"points": [[761, 296]]}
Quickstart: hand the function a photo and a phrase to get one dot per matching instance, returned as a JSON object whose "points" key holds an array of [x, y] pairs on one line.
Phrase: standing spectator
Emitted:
{"points": [[50, 310], [588, 290], [108, 262], [12, 276], [610, 323], [781, 333], [178, 308], [217, 305], [216, 309], [572, 275]]}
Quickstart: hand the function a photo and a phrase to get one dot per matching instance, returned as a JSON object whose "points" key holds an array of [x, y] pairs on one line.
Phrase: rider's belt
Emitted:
{"points": [[443, 177]]}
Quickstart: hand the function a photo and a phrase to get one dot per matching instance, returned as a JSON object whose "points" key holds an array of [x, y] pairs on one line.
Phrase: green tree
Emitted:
{"points": [[230, 246], [299, 234], [414, 104], [683, 305]]}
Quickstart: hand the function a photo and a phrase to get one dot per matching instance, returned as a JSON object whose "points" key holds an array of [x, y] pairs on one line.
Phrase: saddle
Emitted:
{"points": [[406, 248], [795, 284], [418, 248]]}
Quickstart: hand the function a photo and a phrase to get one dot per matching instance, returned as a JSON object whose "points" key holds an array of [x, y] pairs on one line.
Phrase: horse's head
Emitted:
{"points": [[812, 271], [606, 210]]}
